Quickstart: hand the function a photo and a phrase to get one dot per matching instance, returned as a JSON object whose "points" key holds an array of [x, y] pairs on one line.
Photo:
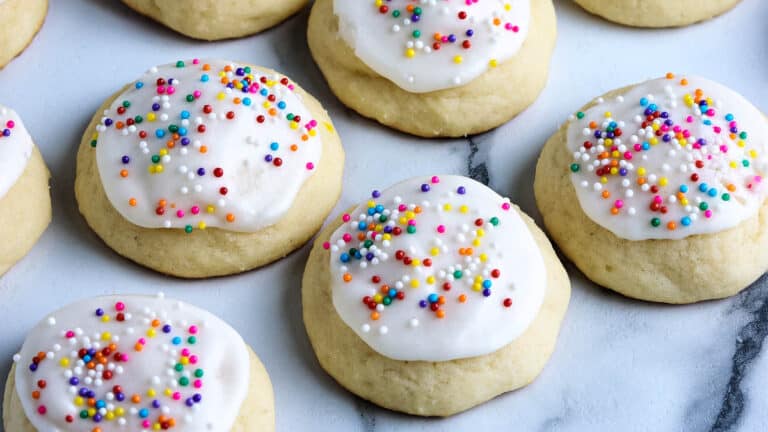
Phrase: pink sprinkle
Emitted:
{"points": [[197, 94], [142, 341], [195, 209], [291, 86], [758, 179], [402, 207], [347, 237], [10, 124], [638, 147], [198, 383], [171, 90], [724, 148], [176, 396], [180, 214], [412, 222], [689, 119], [119, 306], [193, 330], [146, 424], [618, 204], [346, 217], [708, 213], [160, 89], [687, 133], [326, 245], [435, 179], [124, 357], [628, 156], [193, 359], [185, 352], [195, 61], [506, 206], [710, 112], [441, 229], [70, 334], [717, 129], [42, 409], [657, 199], [310, 166]]}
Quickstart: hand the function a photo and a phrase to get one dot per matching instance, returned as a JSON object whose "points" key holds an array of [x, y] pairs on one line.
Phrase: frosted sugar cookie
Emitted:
{"points": [[22, 20], [207, 168], [137, 363], [434, 296], [657, 13], [434, 68], [217, 19], [657, 190], [25, 200]]}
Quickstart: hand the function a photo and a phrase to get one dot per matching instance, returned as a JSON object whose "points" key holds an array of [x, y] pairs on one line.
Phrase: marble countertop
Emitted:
{"points": [[620, 365]]}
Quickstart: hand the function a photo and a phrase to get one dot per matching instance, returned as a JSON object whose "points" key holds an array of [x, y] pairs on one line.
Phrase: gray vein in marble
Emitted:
{"points": [[367, 416], [477, 168], [749, 343]]}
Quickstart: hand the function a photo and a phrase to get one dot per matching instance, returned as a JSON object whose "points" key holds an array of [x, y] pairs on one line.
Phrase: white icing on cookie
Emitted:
{"points": [[206, 144], [15, 149], [449, 44], [670, 158], [132, 363], [436, 269]]}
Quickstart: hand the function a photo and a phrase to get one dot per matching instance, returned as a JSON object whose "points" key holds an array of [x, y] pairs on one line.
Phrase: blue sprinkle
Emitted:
{"points": [[160, 133], [685, 221], [432, 298], [139, 85], [344, 257], [703, 187], [274, 146]]}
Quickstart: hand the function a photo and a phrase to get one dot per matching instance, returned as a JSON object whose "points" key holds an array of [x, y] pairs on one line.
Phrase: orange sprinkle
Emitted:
{"points": [[614, 211], [236, 101], [417, 210], [119, 125], [347, 277], [592, 125], [409, 8], [162, 203], [227, 68], [671, 226], [670, 75], [441, 300], [170, 144], [91, 365], [132, 202], [304, 137], [385, 289], [641, 181], [203, 149], [496, 21], [731, 187], [155, 323], [361, 236], [294, 147], [462, 298], [91, 402], [124, 173], [135, 398], [440, 313], [684, 82], [438, 37], [138, 347], [272, 112], [375, 316], [35, 394], [206, 67], [230, 217], [606, 194]]}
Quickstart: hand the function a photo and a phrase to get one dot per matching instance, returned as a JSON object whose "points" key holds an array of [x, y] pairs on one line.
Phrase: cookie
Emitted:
{"points": [[25, 200], [433, 296], [217, 19], [657, 13], [657, 190], [434, 68], [208, 168], [136, 363], [22, 20]]}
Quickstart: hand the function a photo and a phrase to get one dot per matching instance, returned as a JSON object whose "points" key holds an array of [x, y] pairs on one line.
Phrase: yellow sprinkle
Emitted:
{"points": [[377, 298], [312, 132], [641, 171], [447, 207], [64, 362], [507, 6], [463, 209], [603, 180], [79, 401], [151, 117], [410, 214], [415, 262], [493, 63], [151, 392], [458, 59], [608, 114], [481, 232], [434, 251], [221, 96], [328, 126], [387, 237], [663, 181], [294, 125], [371, 204], [91, 412], [430, 280], [210, 209], [476, 242], [415, 283], [106, 336], [163, 152], [184, 361], [733, 164], [151, 332], [158, 169], [483, 257], [105, 318], [410, 52], [120, 411], [110, 415]]}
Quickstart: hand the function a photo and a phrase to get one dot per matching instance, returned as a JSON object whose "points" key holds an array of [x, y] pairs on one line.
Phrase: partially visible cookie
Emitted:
{"points": [[208, 168], [434, 69], [217, 19], [25, 199], [136, 363], [433, 296], [657, 13], [22, 20], [658, 190]]}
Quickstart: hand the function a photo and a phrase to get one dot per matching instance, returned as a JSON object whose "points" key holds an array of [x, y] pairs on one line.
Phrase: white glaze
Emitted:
{"points": [[258, 192], [221, 354], [673, 161], [15, 149], [479, 326], [381, 41]]}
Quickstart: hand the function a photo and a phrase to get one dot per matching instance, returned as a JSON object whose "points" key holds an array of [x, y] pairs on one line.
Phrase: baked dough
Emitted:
{"points": [[657, 13], [429, 388], [480, 105], [695, 268], [212, 252], [25, 212], [22, 20], [217, 19]]}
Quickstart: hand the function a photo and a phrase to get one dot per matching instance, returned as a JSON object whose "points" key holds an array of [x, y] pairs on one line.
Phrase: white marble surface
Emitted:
{"points": [[619, 365]]}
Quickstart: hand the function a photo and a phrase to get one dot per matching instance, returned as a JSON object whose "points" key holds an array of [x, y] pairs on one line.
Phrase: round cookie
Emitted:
{"points": [[434, 68], [203, 169], [433, 297], [657, 13], [137, 363], [25, 200], [217, 19], [22, 19], [656, 190]]}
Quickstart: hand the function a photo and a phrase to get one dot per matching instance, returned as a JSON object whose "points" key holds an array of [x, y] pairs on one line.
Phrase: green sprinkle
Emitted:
{"points": [[575, 167], [655, 222], [188, 229], [579, 115], [138, 119], [155, 158], [84, 414], [411, 229], [184, 381], [179, 64], [745, 163], [179, 367], [703, 206], [726, 197], [126, 104], [494, 221], [199, 373], [93, 143], [396, 13], [191, 340], [743, 135], [457, 274], [190, 98], [416, 34], [387, 301]]}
